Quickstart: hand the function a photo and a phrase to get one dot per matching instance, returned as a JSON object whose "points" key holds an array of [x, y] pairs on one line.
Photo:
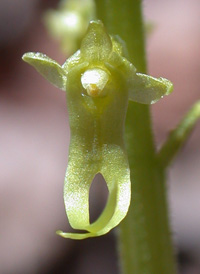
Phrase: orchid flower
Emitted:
{"points": [[68, 23], [98, 81]]}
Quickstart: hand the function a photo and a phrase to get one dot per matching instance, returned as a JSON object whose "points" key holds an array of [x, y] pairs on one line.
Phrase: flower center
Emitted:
{"points": [[94, 81]]}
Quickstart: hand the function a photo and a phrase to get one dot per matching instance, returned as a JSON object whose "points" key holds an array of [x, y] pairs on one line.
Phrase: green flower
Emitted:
{"points": [[69, 22], [98, 82]]}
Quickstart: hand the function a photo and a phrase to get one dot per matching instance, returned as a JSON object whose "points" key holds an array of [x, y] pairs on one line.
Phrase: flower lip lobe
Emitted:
{"points": [[94, 80]]}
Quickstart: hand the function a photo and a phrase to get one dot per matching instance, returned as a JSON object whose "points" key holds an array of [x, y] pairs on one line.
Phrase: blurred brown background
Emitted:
{"points": [[34, 138]]}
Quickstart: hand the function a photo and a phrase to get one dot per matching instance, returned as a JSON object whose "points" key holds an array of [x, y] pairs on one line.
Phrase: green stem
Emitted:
{"points": [[144, 236], [179, 135]]}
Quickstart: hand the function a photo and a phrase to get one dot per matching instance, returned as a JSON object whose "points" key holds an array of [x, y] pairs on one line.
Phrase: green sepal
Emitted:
{"points": [[48, 68], [96, 46], [145, 89]]}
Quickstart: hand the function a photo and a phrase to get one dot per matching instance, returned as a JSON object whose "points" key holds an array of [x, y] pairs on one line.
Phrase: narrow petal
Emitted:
{"points": [[145, 89], [48, 68]]}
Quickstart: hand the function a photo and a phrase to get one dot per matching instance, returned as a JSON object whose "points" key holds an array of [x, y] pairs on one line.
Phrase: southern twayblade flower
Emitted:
{"points": [[98, 81]]}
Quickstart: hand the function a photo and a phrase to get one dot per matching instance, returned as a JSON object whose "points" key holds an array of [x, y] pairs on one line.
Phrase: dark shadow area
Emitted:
{"points": [[98, 197]]}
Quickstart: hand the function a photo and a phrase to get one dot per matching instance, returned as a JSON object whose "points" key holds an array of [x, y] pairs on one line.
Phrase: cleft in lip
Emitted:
{"points": [[94, 81]]}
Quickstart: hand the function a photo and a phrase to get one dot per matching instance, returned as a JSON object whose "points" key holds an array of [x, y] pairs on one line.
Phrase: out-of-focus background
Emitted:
{"points": [[34, 138]]}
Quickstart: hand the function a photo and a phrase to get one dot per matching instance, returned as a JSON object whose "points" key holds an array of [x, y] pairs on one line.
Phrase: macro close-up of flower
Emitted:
{"points": [[106, 150]]}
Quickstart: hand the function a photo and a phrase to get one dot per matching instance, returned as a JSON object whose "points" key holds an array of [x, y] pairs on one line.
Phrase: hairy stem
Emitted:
{"points": [[144, 236]]}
